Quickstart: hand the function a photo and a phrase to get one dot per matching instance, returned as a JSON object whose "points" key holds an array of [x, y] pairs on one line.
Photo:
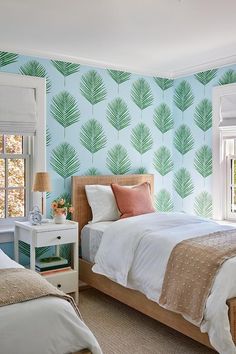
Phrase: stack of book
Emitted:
{"points": [[51, 265]]}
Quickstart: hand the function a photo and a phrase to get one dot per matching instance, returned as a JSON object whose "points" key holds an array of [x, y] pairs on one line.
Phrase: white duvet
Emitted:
{"points": [[43, 326], [134, 252]]}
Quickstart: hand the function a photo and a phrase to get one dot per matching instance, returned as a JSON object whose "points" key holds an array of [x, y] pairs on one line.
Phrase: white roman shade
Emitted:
{"points": [[17, 110], [228, 111]]}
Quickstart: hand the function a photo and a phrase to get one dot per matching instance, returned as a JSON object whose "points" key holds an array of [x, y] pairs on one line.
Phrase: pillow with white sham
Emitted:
{"points": [[102, 202]]}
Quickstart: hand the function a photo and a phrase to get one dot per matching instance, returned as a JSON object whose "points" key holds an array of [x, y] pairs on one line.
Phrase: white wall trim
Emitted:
{"points": [[181, 72], [39, 146]]}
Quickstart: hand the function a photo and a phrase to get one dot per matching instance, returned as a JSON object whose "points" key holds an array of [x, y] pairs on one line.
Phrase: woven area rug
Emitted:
{"points": [[122, 330]]}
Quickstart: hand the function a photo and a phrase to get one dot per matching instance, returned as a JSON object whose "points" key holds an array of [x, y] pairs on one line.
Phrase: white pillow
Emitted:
{"points": [[102, 202]]}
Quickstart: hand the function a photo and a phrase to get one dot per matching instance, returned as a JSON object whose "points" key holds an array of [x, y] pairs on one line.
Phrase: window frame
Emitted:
{"points": [[220, 175], [28, 160], [37, 143]]}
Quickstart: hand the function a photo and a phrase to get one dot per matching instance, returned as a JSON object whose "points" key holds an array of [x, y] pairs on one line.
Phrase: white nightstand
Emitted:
{"points": [[51, 234]]}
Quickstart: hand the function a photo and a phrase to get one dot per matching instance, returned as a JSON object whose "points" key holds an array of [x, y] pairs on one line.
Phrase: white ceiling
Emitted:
{"points": [[153, 37]]}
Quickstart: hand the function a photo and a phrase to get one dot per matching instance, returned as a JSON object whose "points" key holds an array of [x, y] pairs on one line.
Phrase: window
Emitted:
{"points": [[14, 176], [22, 144], [224, 152]]}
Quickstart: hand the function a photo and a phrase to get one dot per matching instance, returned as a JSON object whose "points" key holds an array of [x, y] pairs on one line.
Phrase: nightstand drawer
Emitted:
{"points": [[65, 281], [52, 238]]}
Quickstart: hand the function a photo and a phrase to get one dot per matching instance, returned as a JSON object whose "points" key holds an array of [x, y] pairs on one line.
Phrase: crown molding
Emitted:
{"points": [[175, 74], [211, 64]]}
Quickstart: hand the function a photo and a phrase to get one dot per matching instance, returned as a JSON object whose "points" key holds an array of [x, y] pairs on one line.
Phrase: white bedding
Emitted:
{"points": [[43, 326], [134, 252], [91, 236]]}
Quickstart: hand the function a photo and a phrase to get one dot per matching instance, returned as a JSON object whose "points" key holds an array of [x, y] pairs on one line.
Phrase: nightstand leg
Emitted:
{"points": [[32, 257]]}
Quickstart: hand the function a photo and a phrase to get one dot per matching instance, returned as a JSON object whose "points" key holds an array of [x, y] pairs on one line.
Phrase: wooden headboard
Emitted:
{"points": [[82, 212]]}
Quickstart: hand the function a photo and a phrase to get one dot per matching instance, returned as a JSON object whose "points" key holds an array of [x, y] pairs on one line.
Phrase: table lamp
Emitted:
{"points": [[42, 184]]}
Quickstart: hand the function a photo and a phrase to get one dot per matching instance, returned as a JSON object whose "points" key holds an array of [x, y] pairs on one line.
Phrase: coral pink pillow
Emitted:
{"points": [[133, 201]]}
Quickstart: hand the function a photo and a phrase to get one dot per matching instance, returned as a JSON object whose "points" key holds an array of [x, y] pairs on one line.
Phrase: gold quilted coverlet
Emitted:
{"points": [[20, 284], [191, 271]]}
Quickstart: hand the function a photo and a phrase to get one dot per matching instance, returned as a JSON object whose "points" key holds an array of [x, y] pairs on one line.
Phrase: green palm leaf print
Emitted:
{"points": [[205, 77], [34, 68], [203, 205], [183, 139], [48, 137], [163, 118], [64, 109], [163, 83], [141, 138], [183, 96], [229, 77], [203, 115], [118, 160], [119, 76], [183, 184], [25, 249], [163, 201], [7, 58], [141, 171], [141, 94], [118, 114], [64, 160], [162, 161], [65, 68], [93, 88], [203, 161], [92, 172], [92, 136]]}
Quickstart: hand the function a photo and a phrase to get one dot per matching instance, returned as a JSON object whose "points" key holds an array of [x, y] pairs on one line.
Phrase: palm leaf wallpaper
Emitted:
{"points": [[162, 161], [163, 83], [203, 115], [183, 139], [7, 58], [183, 96], [111, 138], [203, 161], [92, 136], [92, 87], [163, 119], [141, 94], [64, 160], [64, 109], [141, 138], [205, 77], [34, 68], [118, 161], [163, 201], [119, 77], [66, 69], [229, 77], [118, 114]]}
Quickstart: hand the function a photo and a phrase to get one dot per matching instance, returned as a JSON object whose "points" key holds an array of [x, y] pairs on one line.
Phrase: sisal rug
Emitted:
{"points": [[122, 330]]}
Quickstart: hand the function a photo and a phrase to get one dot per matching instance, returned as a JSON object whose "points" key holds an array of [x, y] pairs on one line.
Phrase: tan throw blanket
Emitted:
{"points": [[191, 271], [20, 284]]}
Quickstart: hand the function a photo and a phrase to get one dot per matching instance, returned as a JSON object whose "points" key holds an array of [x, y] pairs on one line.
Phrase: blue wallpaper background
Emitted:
{"points": [[174, 156]]}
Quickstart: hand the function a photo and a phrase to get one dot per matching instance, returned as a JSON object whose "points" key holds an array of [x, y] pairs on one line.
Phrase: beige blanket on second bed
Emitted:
{"points": [[20, 284], [191, 271]]}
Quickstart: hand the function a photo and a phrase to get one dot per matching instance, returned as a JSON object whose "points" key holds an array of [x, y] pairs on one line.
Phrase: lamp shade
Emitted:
{"points": [[42, 182]]}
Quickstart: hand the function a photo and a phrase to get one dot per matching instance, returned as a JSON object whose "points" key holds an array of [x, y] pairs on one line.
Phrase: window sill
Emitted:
{"points": [[6, 234], [226, 222]]}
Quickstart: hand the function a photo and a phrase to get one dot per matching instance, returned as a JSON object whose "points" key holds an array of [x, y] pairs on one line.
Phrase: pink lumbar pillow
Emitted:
{"points": [[133, 201]]}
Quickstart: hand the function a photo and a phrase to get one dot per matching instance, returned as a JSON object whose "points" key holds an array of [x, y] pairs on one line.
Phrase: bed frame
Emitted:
{"points": [[132, 298]]}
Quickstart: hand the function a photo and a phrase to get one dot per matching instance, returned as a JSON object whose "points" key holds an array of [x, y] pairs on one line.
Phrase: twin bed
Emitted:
{"points": [[45, 325], [108, 266]]}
